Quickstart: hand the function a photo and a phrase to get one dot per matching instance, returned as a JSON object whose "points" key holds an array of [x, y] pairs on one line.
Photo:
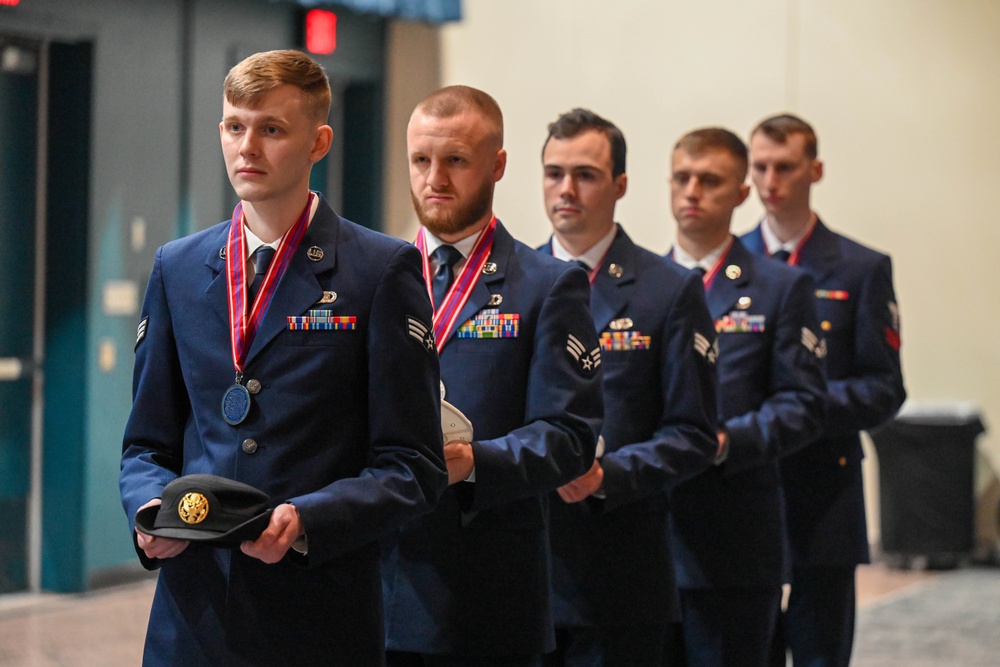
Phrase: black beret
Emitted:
{"points": [[207, 509]]}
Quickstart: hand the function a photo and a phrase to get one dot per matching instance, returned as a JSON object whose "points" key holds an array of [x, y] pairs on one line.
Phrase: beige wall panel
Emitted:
{"points": [[902, 92], [413, 68], [905, 98], [657, 69]]}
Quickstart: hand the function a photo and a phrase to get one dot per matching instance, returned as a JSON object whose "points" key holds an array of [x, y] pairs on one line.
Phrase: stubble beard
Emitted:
{"points": [[456, 220]]}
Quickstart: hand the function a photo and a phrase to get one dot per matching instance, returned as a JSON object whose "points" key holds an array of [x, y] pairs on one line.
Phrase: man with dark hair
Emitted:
{"points": [[469, 584], [613, 576], [859, 318], [334, 413], [727, 523]]}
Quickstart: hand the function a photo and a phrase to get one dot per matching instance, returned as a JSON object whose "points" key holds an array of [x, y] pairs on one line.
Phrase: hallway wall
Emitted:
{"points": [[902, 93]]}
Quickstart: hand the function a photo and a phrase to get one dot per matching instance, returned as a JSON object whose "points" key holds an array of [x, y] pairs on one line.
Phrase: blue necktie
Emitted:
{"points": [[262, 257], [446, 256]]}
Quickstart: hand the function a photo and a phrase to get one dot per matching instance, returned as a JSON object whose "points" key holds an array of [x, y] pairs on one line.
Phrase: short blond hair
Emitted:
{"points": [[252, 79], [455, 100]]}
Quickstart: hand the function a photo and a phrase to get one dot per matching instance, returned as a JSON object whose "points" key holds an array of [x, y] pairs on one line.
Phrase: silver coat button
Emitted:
{"points": [[249, 446]]}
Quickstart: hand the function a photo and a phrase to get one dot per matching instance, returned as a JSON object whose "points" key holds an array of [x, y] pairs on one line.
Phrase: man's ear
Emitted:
{"points": [[744, 192], [321, 144], [817, 170], [621, 185], [500, 165]]}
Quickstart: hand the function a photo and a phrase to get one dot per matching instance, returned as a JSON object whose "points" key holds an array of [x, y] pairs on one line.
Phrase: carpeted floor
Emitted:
{"points": [[952, 620]]}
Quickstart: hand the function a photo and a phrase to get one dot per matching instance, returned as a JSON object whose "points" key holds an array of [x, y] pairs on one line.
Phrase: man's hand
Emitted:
{"points": [[584, 486], [158, 547], [284, 528], [460, 461]]}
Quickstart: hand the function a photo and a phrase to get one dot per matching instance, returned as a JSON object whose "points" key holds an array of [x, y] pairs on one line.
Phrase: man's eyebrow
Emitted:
{"points": [[571, 167], [260, 119]]}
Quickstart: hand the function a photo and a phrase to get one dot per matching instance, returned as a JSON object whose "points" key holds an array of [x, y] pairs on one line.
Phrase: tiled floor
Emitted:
{"points": [[106, 627], [102, 628]]}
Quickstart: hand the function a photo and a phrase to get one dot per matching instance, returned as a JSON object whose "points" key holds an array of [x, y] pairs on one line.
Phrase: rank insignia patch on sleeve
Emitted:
{"points": [[420, 332], [709, 350], [813, 343], [141, 331], [587, 361]]}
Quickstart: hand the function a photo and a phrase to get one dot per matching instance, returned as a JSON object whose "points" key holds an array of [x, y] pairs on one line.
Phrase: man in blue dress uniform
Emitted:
{"points": [[727, 523], [613, 575], [469, 584], [334, 412], [859, 318]]}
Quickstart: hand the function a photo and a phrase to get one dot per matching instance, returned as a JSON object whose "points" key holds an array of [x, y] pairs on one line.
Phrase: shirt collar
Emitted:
{"points": [[774, 244], [707, 262], [465, 246], [593, 256]]}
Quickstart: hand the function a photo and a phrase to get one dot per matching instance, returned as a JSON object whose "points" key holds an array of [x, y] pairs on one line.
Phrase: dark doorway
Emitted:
{"points": [[44, 204]]}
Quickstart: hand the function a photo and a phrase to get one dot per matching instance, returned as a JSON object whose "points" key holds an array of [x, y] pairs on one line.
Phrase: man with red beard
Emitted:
{"points": [[469, 583]]}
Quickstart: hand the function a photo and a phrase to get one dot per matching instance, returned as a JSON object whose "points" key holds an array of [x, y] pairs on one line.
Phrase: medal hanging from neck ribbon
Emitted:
{"points": [[446, 314], [244, 322]]}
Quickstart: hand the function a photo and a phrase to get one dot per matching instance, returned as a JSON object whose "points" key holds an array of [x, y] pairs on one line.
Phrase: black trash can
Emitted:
{"points": [[926, 459]]}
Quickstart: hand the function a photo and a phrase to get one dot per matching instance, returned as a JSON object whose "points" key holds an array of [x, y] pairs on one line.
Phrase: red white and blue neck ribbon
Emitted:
{"points": [[446, 313], [243, 325]]}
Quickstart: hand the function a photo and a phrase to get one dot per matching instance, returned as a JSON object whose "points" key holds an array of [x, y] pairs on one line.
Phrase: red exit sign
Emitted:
{"points": [[321, 31]]}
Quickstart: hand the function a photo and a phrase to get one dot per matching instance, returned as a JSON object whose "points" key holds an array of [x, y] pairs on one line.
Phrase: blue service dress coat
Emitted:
{"points": [[472, 578], [611, 557], [727, 522], [346, 426], [859, 317]]}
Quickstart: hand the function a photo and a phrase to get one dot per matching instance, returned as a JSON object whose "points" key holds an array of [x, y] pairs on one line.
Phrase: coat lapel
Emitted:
{"points": [[217, 291], [725, 289], [489, 283], [821, 249], [611, 291], [299, 287]]}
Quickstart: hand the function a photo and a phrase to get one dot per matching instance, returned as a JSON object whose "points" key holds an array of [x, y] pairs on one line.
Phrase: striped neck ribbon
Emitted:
{"points": [[243, 325], [446, 314]]}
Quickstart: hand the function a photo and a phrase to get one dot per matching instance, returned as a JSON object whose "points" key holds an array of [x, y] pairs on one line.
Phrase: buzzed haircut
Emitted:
{"points": [[252, 79], [707, 139], [576, 122], [452, 101], [778, 128]]}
